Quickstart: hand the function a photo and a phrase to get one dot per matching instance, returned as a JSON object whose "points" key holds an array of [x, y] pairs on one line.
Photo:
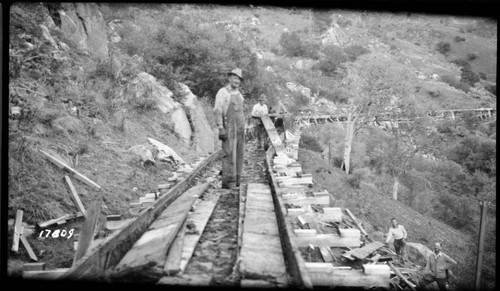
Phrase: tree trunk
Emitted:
{"points": [[395, 188], [348, 141]]}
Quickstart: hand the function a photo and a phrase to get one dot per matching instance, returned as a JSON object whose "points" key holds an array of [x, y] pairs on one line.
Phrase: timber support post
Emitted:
{"points": [[480, 248]]}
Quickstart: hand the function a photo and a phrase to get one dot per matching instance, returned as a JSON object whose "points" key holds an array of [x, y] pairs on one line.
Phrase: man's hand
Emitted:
{"points": [[222, 133]]}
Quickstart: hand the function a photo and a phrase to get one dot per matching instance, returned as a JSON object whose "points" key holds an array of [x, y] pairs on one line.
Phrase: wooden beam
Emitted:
{"points": [[326, 254], [154, 244], [349, 278], [34, 267], [18, 230], [74, 195], [295, 263], [199, 218], [119, 242], [28, 247], [361, 253], [173, 262], [62, 219], [45, 275], [76, 174], [356, 222], [396, 271], [87, 231], [327, 240]]}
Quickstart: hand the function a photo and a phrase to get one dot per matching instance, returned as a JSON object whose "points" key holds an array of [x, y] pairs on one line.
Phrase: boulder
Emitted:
{"points": [[84, 24], [203, 134], [144, 153], [165, 153], [147, 85]]}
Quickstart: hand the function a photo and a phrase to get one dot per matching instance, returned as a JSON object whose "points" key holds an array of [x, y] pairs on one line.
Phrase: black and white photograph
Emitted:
{"points": [[248, 146]]}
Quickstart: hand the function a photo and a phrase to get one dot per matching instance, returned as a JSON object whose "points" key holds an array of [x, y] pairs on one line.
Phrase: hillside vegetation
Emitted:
{"points": [[89, 82]]}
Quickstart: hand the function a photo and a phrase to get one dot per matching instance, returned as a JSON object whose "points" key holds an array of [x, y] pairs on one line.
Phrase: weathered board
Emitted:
{"points": [[87, 232], [76, 174], [261, 256], [199, 217], [112, 250], [74, 195], [17, 230], [151, 248], [349, 278], [327, 240], [173, 262], [361, 253]]}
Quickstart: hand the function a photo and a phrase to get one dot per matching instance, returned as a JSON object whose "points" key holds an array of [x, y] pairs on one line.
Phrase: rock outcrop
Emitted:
{"points": [[418, 253], [203, 135], [146, 86], [84, 24]]}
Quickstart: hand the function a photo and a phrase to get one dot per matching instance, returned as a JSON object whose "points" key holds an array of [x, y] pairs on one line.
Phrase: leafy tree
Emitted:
{"points": [[475, 154]]}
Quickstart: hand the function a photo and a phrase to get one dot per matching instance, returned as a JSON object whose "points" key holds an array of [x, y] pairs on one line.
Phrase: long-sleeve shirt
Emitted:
{"points": [[438, 263], [222, 102], [259, 110], [398, 232]]}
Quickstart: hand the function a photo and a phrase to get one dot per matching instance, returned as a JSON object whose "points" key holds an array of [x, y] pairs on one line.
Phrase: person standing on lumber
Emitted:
{"points": [[437, 268], [230, 119], [398, 232], [258, 110]]}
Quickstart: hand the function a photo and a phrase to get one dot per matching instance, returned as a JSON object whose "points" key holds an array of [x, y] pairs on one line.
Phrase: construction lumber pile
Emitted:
{"points": [[308, 211]]}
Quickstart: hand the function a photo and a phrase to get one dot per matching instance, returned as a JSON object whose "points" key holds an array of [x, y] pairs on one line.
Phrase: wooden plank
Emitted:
{"points": [[356, 222], [374, 259], [398, 273], [365, 251], [120, 241], [173, 262], [327, 240], [326, 254], [18, 225], [261, 256], [349, 278], [34, 267], [199, 217], [294, 263], [45, 275], [87, 231], [273, 135], [153, 245], [74, 195], [28, 247], [59, 220], [76, 174]]}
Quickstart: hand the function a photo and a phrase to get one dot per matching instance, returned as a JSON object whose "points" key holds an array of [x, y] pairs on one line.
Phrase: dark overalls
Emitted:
{"points": [[233, 146]]}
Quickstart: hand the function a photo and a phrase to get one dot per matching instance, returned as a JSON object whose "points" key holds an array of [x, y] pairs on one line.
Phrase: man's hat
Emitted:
{"points": [[262, 97], [237, 72]]}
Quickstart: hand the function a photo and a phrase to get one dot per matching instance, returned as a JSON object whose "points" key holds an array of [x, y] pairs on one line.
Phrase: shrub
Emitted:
{"points": [[344, 22], [459, 38], [454, 82], [469, 77], [434, 93], [292, 44], [461, 63], [443, 47], [308, 142], [483, 76], [330, 63], [356, 177], [471, 56], [354, 51]]}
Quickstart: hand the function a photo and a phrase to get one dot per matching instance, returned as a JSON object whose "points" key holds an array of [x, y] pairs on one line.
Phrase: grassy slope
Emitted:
{"points": [[375, 210]]}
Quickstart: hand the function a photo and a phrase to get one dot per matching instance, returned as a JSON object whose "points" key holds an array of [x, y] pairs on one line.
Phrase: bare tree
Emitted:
{"points": [[372, 83]]}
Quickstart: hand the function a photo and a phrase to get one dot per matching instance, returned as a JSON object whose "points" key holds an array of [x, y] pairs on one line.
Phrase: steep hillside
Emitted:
{"points": [[375, 209]]}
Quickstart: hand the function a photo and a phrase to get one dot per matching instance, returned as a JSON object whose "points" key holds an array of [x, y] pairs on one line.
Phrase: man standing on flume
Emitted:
{"points": [[230, 120]]}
